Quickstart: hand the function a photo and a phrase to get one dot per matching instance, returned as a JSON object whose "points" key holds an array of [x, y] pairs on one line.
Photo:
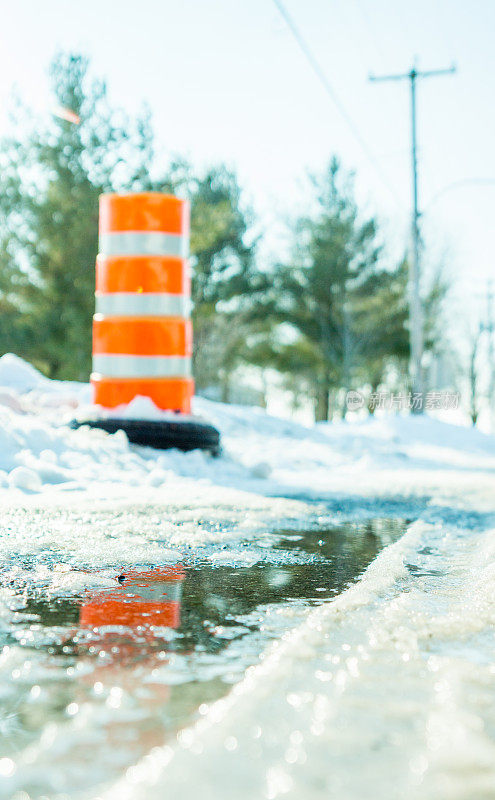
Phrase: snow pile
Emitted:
{"points": [[19, 375], [38, 451], [138, 408]]}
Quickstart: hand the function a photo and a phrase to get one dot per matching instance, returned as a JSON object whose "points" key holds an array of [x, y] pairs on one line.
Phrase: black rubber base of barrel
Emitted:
{"points": [[183, 435]]}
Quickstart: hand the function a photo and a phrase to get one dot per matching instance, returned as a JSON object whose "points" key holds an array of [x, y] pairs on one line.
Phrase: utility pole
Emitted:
{"points": [[416, 325]]}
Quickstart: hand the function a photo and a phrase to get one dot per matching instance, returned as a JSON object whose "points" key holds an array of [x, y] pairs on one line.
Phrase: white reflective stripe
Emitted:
{"points": [[166, 592], [145, 304], [125, 366], [148, 243]]}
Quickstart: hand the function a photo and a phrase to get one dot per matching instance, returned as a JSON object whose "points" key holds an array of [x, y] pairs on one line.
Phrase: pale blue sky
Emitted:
{"points": [[226, 81]]}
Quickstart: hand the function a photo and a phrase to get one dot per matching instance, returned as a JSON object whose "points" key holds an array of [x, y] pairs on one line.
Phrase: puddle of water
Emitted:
{"points": [[94, 679]]}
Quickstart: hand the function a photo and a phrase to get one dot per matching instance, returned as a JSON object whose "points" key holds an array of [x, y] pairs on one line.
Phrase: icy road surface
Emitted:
{"points": [[101, 665], [382, 690]]}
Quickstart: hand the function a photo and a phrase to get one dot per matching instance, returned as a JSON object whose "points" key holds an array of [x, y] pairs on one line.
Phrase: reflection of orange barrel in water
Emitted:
{"points": [[142, 335], [145, 600], [150, 598]]}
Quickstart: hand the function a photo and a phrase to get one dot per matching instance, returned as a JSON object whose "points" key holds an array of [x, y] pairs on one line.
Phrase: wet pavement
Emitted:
{"points": [[96, 676]]}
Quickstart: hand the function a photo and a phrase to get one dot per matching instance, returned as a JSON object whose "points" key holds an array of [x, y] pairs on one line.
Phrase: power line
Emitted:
{"points": [[332, 94]]}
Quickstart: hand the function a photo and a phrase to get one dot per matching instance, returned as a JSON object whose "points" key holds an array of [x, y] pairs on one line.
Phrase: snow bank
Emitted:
{"points": [[19, 375], [264, 454]]}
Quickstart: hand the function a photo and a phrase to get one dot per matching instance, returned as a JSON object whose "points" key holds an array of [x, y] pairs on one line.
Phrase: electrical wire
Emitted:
{"points": [[331, 93]]}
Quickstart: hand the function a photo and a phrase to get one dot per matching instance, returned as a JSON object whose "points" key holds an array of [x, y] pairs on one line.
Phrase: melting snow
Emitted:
{"points": [[390, 686]]}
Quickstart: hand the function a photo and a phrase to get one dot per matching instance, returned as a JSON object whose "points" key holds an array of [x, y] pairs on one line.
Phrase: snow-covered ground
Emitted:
{"points": [[390, 686], [40, 455]]}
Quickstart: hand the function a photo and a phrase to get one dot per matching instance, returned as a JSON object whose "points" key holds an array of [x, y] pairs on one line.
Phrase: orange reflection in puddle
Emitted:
{"points": [[127, 650], [146, 599]]}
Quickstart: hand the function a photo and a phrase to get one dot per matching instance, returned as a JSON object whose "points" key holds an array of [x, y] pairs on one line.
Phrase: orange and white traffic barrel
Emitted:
{"points": [[142, 333]]}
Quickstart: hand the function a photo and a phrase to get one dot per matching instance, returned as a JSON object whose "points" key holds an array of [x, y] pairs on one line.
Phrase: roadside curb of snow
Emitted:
{"points": [[381, 579]]}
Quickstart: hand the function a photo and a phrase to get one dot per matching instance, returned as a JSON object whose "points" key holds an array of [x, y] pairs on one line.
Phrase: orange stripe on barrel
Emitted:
{"points": [[142, 274], [145, 336], [166, 393], [145, 211]]}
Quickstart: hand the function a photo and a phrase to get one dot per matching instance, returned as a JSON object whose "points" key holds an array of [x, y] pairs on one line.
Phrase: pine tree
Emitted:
{"points": [[322, 293], [52, 172], [225, 276], [336, 316]]}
